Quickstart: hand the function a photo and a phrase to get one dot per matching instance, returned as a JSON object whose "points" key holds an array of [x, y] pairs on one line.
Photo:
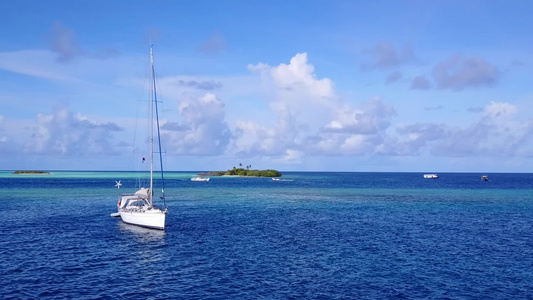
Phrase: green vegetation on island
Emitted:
{"points": [[32, 172], [244, 172]]}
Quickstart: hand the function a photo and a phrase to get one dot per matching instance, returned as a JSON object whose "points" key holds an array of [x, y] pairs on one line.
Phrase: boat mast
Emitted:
{"points": [[153, 102], [151, 126], [159, 138]]}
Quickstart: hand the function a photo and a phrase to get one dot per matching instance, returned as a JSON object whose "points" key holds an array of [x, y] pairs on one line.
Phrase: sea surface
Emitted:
{"points": [[307, 236]]}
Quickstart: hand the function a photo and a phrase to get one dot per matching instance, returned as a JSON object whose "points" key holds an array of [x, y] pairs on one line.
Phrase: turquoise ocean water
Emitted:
{"points": [[310, 235]]}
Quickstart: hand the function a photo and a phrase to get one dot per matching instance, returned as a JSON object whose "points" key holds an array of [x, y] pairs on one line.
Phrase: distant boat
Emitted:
{"points": [[198, 178], [431, 176], [275, 179], [138, 208], [485, 178]]}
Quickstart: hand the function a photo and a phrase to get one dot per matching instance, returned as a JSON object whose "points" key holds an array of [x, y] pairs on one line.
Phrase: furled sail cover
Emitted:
{"points": [[143, 193]]}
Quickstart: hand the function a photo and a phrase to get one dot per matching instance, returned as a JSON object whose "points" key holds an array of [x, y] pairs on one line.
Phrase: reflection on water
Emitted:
{"points": [[142, 234], [152, 243]]}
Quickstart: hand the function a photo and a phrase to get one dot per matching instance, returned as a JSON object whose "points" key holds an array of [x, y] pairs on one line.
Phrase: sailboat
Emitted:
{"points": [[138, 208]]}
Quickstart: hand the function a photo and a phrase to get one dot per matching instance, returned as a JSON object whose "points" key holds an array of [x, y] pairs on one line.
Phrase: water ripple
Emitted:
{"points": [[259, 240]]}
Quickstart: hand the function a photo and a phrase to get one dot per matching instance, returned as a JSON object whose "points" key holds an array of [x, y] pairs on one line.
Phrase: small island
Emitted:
{"points": [[32, 172], [244, 172]]}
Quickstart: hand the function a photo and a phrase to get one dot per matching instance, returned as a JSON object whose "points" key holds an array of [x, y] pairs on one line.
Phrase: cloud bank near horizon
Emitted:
{"points": [[310, 119]]}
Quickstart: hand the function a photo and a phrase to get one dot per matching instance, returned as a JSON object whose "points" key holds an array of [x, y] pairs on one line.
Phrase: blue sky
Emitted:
{"points": [[422, 86]]}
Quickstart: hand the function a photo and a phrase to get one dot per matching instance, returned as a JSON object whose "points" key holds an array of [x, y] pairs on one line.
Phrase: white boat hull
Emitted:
{"points": [[431, 176], [200, 179], [153, 218]]}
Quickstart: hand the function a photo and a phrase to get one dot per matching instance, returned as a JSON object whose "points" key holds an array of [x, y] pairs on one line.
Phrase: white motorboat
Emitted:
{"points": [[138, 208], [198, 178], [431, 176]]}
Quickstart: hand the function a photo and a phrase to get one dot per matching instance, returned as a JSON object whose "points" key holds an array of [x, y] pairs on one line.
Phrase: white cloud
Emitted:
{"points": [[179, 87], [357, 144], [372, 117], [201, 129], [64, 42], [458, 72], [302, 102], [254, 139], [432, 108], [4, 142], [385, 55], [296, 84], [500, 110], [524, 143], [393, 77], [246, 136], [69, 134], [294, 156], [312, 119], [303, 105], [201, 85], [420, 83], [496, 133], [33, 63], [410, 140]]}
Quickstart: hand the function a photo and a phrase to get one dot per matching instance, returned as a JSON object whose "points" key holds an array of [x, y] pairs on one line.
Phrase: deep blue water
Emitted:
{"points": [[313, 236]]}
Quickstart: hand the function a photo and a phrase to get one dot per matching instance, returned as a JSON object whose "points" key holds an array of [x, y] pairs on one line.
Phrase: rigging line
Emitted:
{"points": [[134, 163], [158, 137]]}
